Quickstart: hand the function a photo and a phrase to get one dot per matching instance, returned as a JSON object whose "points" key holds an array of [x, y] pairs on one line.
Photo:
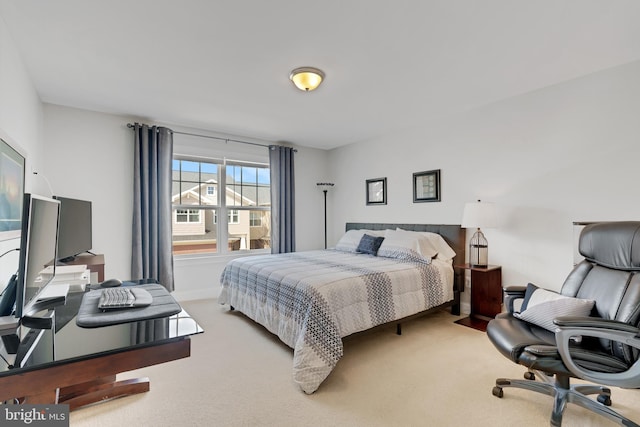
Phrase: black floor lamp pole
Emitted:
{"points": [[325, 186], [325, 218]]}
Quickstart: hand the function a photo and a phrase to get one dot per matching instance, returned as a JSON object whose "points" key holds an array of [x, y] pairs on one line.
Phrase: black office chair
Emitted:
{"points": [[603, 348]]}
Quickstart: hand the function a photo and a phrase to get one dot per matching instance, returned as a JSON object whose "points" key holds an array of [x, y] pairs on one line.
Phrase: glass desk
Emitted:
{"points": [[78, 366]]}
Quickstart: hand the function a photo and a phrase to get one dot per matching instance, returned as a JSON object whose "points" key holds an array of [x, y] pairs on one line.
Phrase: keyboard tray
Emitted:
{"points": [[90, 316]]}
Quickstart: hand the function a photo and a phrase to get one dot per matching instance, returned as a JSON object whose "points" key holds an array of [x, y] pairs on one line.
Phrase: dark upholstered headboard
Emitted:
{"points": [[454, 235]]}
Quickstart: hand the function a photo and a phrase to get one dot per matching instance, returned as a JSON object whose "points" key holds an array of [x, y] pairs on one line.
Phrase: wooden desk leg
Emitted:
{"points": [[101, 389], [98, 372], [76, 390]]}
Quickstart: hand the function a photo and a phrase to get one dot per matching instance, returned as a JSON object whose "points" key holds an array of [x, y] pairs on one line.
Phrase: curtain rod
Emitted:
{"points": [[130, 125]]}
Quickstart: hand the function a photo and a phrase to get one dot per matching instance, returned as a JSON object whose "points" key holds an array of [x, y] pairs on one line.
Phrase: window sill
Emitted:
{"points": [[217, 258]]}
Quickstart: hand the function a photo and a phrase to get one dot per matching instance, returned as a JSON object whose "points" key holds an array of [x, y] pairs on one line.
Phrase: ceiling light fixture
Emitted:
{"points": [[306, 78]]}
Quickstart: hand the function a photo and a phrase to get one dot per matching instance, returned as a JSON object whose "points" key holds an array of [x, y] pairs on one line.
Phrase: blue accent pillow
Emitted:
{"points": [[369, 244]]}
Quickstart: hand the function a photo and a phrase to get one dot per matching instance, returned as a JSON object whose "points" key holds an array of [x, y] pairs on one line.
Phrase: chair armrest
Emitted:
{"points": [[512, 293], [600, 328], [595, 322], [515, 289]]}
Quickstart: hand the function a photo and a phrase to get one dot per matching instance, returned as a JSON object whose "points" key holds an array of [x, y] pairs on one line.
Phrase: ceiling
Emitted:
{"points": [[223, 65]]}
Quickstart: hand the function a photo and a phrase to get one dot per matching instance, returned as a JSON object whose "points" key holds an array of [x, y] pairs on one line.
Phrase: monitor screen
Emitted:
{"points": [[74, 234], [38, 246]]}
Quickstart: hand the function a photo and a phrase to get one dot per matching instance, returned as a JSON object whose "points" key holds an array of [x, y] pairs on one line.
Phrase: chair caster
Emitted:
{"points": [[604, 399], [529, 376], [497, 392]]}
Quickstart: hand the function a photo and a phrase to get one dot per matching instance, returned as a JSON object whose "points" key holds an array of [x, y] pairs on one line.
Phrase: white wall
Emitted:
{"points": [[21, 127], [90, 157], [311, 167], [561, 154]]}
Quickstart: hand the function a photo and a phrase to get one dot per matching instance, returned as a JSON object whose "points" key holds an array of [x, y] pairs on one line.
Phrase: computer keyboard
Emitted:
{"points": [[123, 297]]}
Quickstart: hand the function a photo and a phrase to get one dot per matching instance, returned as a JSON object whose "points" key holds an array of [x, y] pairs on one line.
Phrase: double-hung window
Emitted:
{"points": [[207, 190]]}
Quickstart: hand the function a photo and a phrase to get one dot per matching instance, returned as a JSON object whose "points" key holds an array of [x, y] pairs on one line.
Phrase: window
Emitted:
{"points": [[233, 216], [250, 184], [187, 215], [205, 191], [255, 219]]}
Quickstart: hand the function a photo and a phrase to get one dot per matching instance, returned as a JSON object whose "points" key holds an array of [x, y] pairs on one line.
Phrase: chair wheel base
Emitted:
{"points": [[564, 393], [497, 392], [604, 399]]}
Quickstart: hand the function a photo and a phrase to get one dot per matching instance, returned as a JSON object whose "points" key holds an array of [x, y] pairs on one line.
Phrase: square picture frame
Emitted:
{"points": [[376, 191], [426, 186]]}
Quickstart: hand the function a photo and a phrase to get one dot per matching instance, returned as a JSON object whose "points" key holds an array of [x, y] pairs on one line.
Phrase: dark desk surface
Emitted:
{"points": [[71, 342]]}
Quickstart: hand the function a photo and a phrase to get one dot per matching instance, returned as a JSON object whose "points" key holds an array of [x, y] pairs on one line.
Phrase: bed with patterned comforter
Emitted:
{"points": [[311, 300]]}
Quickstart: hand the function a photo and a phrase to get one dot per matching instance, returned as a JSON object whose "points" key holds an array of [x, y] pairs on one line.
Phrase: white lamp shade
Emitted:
{"points": [[479, 215]]}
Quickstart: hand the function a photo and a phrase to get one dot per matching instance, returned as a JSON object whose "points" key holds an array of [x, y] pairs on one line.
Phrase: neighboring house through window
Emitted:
{"points": [[206, 190]]}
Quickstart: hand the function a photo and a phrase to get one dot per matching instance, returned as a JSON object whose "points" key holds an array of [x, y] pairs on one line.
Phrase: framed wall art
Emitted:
{"points": [[11, 191], [426, 186], [377, 191]]}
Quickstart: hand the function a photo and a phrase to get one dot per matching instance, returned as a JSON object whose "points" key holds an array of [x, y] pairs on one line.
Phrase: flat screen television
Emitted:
{"points": [[74, 234], [38, 250]]}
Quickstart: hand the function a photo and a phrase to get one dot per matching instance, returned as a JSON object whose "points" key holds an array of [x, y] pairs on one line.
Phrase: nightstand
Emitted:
{"points": [[486, 295]]}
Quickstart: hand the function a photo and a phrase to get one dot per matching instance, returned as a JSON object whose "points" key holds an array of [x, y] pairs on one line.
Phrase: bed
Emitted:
{"points": [[312, 300]]}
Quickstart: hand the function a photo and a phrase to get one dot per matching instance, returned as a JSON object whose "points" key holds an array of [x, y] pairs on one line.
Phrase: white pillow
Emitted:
{"points": [[406, 246], [351, 239], [445, 252], [541, 306]]}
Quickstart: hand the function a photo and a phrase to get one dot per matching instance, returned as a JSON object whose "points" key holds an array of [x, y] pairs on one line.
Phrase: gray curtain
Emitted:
{"points": [[283, 236], [152, 256]]}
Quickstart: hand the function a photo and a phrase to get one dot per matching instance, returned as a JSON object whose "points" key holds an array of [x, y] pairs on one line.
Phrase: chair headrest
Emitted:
{"points": [[612, 244]]}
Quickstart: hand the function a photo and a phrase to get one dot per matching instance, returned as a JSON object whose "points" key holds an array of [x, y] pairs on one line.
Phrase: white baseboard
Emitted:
{"points": [[196, 294], [465, 308]]}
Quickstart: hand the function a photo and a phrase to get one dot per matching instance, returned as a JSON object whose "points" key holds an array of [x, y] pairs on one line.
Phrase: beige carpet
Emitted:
{"points": [[436, 374]]}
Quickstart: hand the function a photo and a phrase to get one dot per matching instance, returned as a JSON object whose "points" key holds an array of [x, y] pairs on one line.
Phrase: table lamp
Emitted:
{"points": [[477, 215]]}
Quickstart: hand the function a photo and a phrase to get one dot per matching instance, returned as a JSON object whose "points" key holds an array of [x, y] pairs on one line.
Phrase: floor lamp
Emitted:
{"points": [[324, 186]]}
